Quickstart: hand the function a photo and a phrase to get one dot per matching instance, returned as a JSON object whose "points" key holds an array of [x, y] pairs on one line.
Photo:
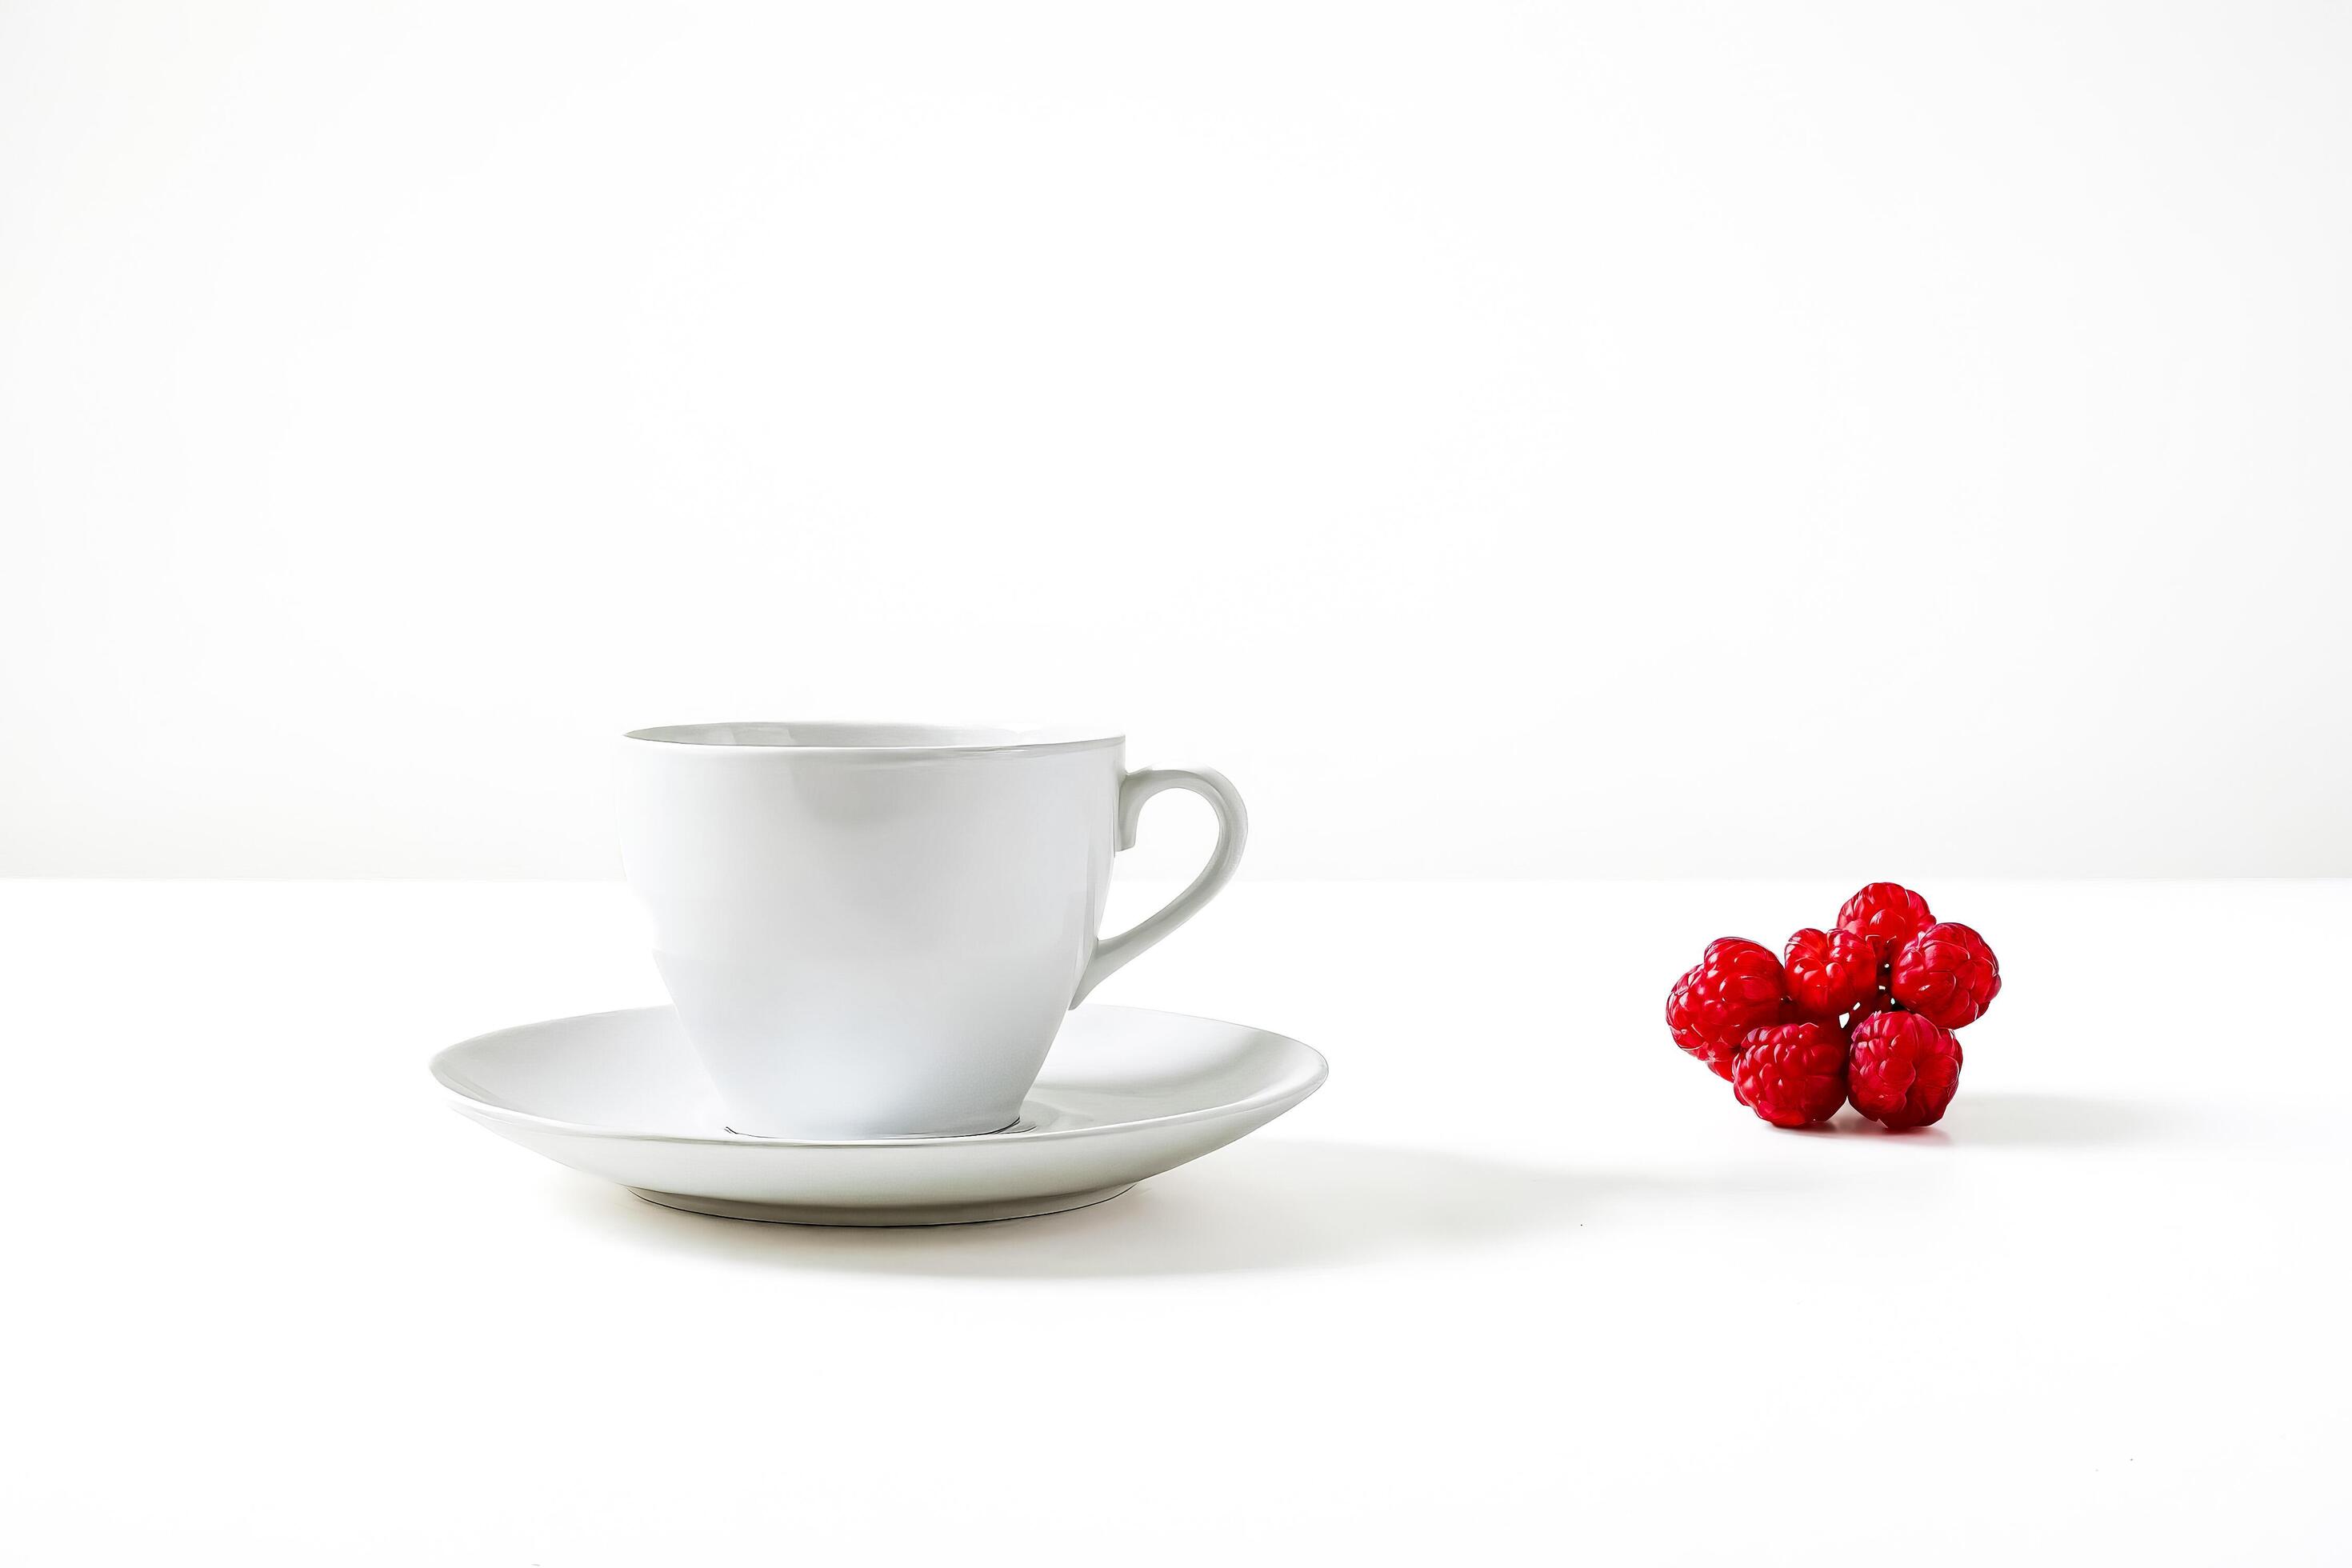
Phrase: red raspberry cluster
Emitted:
{"points": [[1863, 1013]]}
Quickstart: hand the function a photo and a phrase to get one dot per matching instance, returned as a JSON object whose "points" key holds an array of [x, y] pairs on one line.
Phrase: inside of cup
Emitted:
{"points": [[819, 733]]}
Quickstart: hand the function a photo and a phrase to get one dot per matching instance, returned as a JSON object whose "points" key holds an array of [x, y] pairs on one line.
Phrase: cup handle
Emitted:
{"points": [[1232, 832]]}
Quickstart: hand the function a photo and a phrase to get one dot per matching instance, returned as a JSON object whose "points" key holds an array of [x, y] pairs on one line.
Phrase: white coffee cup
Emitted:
{"points": [[873, 931]]}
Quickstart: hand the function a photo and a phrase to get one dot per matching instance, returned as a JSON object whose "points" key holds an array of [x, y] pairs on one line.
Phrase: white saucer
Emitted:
{"points": [[1127, 1093]]}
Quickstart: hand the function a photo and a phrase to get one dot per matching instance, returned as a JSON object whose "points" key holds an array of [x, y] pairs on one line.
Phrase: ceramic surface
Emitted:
{"points": [[875, 931], [1126, 1093]]}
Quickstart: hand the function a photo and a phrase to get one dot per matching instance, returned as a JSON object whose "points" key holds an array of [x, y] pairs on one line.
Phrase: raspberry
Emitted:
{"points": [[1737, 985], [1829, 973], [1904, 1069], [1946, 974], [1880, 1000], [1888, 913], [1791, 1075], [1792, 1014]]}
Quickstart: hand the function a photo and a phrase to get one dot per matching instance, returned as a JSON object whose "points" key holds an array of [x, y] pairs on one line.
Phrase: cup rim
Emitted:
{"points": [[837, 737]]}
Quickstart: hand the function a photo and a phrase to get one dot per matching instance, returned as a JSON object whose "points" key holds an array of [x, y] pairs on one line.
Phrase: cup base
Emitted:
{"points": [[1022, 1124], [906, 1214]]}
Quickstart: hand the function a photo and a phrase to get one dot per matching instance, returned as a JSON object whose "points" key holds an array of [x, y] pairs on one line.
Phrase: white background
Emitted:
{"points": [[1511, 440], [1521, 441]]}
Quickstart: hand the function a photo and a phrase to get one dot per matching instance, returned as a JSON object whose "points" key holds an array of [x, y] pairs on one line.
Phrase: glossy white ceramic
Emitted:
{"points": [[1127, 1093], [874, 931]]}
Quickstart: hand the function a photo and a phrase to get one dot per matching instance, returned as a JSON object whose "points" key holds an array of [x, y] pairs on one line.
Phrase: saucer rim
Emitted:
{"points": [[1285, 1095]]}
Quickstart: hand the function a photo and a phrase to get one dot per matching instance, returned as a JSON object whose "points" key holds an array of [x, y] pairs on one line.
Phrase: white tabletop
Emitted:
{"points": [[1522, 1282]]}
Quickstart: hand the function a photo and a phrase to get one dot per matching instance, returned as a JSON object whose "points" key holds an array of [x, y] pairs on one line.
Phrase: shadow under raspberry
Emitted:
{"points": [[2052, 1120]]}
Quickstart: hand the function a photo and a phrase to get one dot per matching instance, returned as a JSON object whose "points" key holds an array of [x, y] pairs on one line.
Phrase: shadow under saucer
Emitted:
{"points": [[1275, 1203]]}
